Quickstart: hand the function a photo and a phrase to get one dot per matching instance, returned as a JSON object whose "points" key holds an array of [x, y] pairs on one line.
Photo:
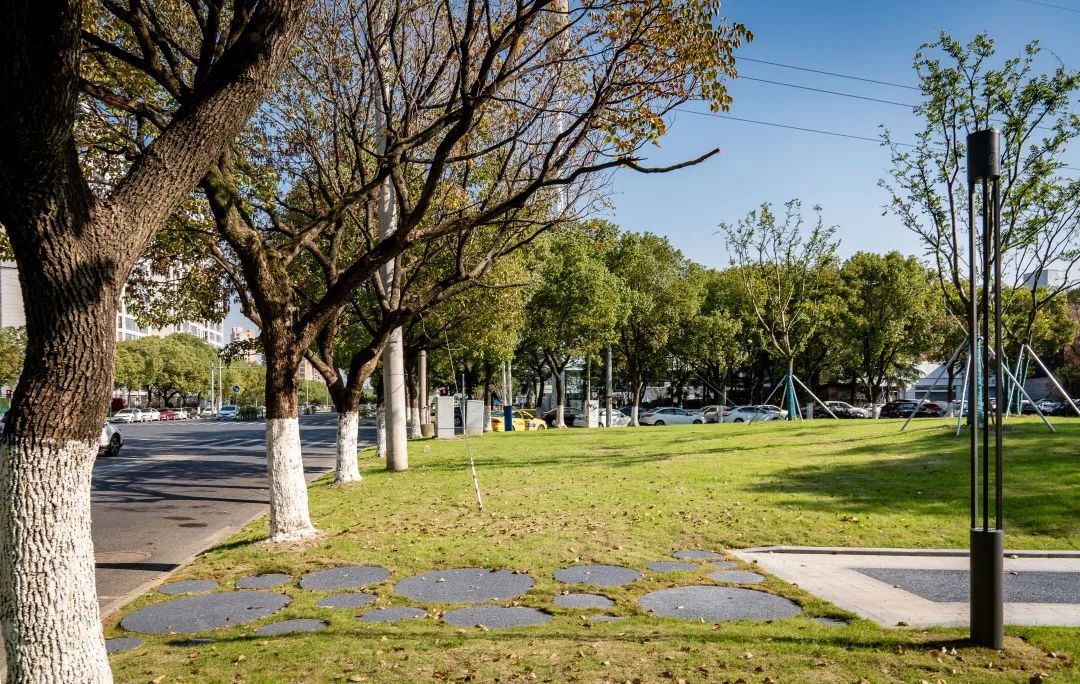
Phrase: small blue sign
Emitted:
{"points": [[236, 389]]}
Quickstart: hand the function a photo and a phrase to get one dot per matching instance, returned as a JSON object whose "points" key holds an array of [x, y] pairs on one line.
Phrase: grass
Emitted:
{"points": [[630, 497]]}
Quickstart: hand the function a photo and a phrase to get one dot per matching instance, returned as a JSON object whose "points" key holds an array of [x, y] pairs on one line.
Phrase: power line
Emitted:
{"points": [[828, 92], [1047, 4], [828, 73]]}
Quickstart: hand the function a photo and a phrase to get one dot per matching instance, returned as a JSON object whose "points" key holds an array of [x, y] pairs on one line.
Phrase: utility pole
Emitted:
{"points": [[508, 397], [607, 385], [588, 390], [422, 400]]}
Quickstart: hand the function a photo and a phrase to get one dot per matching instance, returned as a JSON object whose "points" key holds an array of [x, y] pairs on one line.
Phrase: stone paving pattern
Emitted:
{"points": [[718, 604], [944, 586], [392, 614], [346, 577], [188, 587], [736, 576], [268, 581], [122, 644], [583, 601], [671, 566], [205, 612], [290, 627], [354, 600], [598, 575], [497, 616], [464, 585]]}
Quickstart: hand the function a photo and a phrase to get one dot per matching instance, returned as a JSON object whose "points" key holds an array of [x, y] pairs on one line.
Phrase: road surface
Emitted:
{"points": [[178, 487]]}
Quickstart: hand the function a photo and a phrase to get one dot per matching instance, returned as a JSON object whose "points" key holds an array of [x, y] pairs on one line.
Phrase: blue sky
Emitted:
{"points": [[870, 39]]}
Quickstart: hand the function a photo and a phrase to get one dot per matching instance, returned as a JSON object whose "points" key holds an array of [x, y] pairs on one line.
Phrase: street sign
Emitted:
{"points": [[236, 389]]}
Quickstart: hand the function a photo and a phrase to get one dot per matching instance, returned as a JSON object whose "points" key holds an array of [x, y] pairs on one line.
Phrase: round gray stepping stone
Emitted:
{"points": [[736, 576], [290, 627], [718, 604], [831, 622], [671, 566], [690, 554], [464, 585], [187, 587], [392, 614], [722, 565], [121, 644], [497, 616], [347, 577], [268, 581], [346, 600], [598, 575], [583, 601], [193, 614], [604, 618]]}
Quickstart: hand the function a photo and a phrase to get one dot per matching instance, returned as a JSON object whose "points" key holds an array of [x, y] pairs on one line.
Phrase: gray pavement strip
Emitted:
{"points": [[205, 612], [122, 644], [464, 585], [392, 614], [736, 576], [345, 577], [951, 586], [583, 601], [290, 627], [598, 575], [718, 604], [831, 622], [354, 600], [691, 554], [497, 616], [267, 581], [187, 587], [671, 566]]}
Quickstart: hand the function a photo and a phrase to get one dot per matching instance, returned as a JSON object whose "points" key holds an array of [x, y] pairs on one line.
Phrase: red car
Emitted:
{"points": [[169, 414]]}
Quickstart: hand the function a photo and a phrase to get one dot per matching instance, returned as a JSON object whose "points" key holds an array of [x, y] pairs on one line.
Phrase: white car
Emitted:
{"points": [[713, 413], [750, 414], [228, 412], [110, 441], [618, 419], [669, 415], [151, 414], [128, 415]]}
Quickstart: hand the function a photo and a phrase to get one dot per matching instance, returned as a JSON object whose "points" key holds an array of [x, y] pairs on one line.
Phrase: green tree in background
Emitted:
{"points": [[12, 353]]}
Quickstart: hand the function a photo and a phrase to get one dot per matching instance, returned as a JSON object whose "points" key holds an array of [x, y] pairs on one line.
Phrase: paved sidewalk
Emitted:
{"points": [[927, 587]]}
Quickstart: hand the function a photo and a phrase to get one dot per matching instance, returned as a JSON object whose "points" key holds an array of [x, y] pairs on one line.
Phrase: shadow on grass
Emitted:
{"points": [[929, 476]]}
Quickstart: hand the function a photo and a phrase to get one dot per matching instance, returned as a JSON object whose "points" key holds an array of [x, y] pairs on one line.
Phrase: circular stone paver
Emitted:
{"points": [[121, 644], [671, 566], [290, 627], [831, 622], [718, 604], [356, 600], [268, 581], [497, 616], [392, 614], [583, 601], [204, 613], [690, 554], [346, 577], [736, 576], [464, 585], [598, 575], [187, 587], [722, 565]]}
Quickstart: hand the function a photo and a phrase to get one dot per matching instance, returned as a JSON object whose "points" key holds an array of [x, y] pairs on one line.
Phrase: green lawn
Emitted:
{"points": [[630, 497]]}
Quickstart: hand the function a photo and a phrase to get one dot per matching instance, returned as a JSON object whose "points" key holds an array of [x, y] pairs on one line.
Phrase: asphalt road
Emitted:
{"points": [[178, 487]]}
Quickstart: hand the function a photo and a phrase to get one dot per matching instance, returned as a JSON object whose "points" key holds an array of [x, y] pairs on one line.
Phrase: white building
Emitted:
{"points": [[1050, 277], [241, 334]]}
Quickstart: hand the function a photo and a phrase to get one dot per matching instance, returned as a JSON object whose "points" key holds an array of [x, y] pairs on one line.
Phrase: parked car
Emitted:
{"points": [[669, 415], [569, 416], [713, 413], [523, 420], [151, 414], [1064, 409], [618, 419], [128, 415], [110, 441], [750, 414], [228, 412], [905, 407], [775, 408], [840, 409], [168, 414]]}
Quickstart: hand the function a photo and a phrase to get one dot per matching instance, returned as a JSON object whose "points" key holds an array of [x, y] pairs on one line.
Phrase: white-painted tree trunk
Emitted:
{"points": [[380, 432], [52, 629], [415, 420], [397, 437], [634, 414], [289, 518], [347, 468], [487, 416]]}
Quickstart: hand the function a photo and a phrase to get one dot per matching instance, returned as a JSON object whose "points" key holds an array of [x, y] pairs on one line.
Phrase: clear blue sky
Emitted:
{"points": [[867, 38], [871, 39]]}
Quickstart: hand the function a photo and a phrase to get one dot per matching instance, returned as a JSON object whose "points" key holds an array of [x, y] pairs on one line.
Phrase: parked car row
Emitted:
{"points": [[149, 415]]}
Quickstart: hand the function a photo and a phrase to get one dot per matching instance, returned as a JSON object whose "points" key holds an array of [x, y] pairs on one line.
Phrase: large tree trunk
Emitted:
{"points": [[560, 398], [635, 410], [397, 438], [289, 516], [346, 466], [414, 404], [48, 599]]}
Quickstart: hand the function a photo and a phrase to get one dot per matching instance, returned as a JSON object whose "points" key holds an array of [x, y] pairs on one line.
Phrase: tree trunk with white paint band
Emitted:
{"points": [[289, 517], [397, 438], [347, 468], [380, 432]]}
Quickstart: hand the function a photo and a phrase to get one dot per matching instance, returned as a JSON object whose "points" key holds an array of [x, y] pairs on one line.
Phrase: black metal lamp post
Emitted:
{"points": [[987, 543]]}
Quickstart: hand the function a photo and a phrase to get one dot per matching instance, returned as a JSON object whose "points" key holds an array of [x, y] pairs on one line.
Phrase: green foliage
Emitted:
{"points": [[168, 367], [12, 353], [250, 377]]}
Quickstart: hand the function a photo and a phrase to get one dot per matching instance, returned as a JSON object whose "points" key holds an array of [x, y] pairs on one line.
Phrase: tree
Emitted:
{"points": [[709, 342], [75, 242], [781, 267], [12, 353], [891, 316], [1040, 207], [651, 273], [573, 310]]}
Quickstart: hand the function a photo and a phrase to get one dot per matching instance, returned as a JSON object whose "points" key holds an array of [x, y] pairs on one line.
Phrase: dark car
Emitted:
{"points": [[1064, 409], [569, 416], [905, 407], [839, 409]]}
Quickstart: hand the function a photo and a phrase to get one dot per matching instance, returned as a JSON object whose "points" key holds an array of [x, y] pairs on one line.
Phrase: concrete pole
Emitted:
{"points": [[508, 397], [425, 413], [607, 385]]}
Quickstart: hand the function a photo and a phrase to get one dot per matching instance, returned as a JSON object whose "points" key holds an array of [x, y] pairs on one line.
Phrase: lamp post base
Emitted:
{"points": [[987, 557]]}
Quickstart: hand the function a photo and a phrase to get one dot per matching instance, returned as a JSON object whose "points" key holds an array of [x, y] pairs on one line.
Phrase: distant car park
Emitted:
{"points": [[128, 415], [750, 414], [670, 415]]}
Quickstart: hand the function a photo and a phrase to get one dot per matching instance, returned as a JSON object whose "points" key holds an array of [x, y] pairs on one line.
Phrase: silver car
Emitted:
{"points": [[110, 441]]}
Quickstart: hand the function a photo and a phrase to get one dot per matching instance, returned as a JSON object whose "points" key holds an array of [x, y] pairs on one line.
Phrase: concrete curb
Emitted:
{"points": [[870, 551]]}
